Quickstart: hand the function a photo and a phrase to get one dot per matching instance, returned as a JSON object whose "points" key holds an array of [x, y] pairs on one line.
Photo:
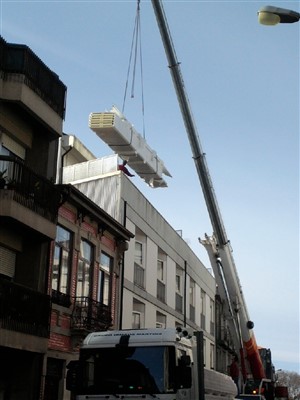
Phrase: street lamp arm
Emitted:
{"points": [[270, 15]]}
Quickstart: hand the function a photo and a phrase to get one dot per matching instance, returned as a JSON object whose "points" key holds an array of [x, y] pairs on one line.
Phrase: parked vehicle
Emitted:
{"points": [[165, 364]]}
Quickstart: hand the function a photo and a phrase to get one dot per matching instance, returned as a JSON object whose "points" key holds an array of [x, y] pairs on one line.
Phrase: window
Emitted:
{"points": [[212, 317], [85, 263], [161, 275], [192, 292], [106, 263], [61, 268], [160, 270], [138, 314], [8, 147], [202, 315], [139, 272], [212, 356], [138, 255], [136, 320], [7, 262], [161, 287], [192, 300], [161, 320], [179, 289]]}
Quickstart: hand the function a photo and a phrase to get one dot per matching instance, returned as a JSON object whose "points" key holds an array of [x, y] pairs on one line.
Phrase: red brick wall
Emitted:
{"points": [[60, 342]]}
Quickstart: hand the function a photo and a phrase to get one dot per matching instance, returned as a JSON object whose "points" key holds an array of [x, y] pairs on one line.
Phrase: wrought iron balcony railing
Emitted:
{"points": [[24, 310], [30, 190], [90, 315]]}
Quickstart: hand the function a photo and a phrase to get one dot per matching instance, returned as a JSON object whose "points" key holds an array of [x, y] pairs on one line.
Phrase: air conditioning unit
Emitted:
{"points": [[120, 135]]}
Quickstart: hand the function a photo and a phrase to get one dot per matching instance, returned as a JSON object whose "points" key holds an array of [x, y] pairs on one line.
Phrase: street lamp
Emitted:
{"points": [[270, 15]]}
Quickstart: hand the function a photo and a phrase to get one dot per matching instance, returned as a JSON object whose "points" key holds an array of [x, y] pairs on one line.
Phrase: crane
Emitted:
{"points": [[218, 246]]}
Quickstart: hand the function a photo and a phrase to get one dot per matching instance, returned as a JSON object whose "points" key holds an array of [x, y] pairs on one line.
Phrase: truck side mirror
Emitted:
{"points": [[72, 375], [185, 360]]}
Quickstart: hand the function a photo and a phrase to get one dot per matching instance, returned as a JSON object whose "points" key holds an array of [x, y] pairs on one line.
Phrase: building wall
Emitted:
{"points": [[118, 196], [30, 125]]}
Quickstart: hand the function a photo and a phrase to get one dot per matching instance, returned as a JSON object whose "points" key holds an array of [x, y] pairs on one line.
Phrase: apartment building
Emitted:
{"points": [[84, 282], [60, 254], [164, 283], [32, 108]]}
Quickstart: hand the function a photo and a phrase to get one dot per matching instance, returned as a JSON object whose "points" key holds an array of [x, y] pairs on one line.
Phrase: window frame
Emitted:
{"points": [[86, 262], [58, 295], [105, 275]]}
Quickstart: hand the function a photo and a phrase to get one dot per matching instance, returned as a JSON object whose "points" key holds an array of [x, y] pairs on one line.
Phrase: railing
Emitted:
{"points": [[30, 190], [19, 59], [90, 315], [24, 310]]}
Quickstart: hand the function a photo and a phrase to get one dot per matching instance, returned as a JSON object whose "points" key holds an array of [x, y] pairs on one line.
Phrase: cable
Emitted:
{"points": [[136, 47]]}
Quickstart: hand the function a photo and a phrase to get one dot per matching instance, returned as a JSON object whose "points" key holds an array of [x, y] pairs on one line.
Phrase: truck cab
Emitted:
{"points": [[141, 364]]}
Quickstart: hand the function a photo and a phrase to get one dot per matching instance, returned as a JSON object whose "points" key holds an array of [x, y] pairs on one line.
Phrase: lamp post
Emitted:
{"points": [[270, 15]]}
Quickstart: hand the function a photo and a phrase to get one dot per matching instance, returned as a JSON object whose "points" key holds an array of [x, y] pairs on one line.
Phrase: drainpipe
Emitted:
{"points": [[184, 293], [61, 157], [122, 273]]}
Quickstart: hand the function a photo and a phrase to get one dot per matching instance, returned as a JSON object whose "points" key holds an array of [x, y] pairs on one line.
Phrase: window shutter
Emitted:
{"points": [[7, 262]]}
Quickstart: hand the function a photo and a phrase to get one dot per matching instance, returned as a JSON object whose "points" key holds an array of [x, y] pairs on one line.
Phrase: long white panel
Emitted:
{"points": [[114, 129]]}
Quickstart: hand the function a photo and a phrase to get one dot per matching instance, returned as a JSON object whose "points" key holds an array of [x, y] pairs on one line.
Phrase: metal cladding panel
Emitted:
{"points": [[113, 128], [90, 169], [104, 193]]}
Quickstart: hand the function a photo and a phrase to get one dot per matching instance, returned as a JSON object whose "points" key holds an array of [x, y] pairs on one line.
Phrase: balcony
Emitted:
{"points": [[89, 315], [24, 310], [24, 190], [22, 67]]}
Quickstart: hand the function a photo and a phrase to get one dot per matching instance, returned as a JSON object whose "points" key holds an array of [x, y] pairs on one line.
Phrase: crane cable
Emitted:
{"points": [[136, 47]]}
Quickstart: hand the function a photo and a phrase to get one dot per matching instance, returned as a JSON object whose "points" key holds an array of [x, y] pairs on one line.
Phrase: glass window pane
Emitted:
{"points": [[105, 262], [86, 250], [55, 268], [138, 256], [64, 272], [63, 237], [79, 291], [106, 289]]}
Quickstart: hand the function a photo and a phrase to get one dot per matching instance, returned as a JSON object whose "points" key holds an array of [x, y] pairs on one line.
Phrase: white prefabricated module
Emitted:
{"points": [[119, 134]]}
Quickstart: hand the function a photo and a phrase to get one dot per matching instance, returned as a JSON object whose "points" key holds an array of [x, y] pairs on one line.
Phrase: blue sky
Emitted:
{"points": [[242, 80]]}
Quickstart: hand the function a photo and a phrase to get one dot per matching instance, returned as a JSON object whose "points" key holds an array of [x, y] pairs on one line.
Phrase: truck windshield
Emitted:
{"points": [[127, 370]]}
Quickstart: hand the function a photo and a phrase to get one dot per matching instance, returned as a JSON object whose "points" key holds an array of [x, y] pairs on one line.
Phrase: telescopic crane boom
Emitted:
{"points": [[218, 245]]}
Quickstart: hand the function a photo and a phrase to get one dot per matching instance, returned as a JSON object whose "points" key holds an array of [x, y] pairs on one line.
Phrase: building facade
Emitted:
{"points": [[60, 254], [32, 107], [84, 282], [164, 283]]}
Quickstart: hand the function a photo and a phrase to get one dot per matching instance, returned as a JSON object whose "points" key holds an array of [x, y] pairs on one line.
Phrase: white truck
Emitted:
{"points": [[162, 364]]}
